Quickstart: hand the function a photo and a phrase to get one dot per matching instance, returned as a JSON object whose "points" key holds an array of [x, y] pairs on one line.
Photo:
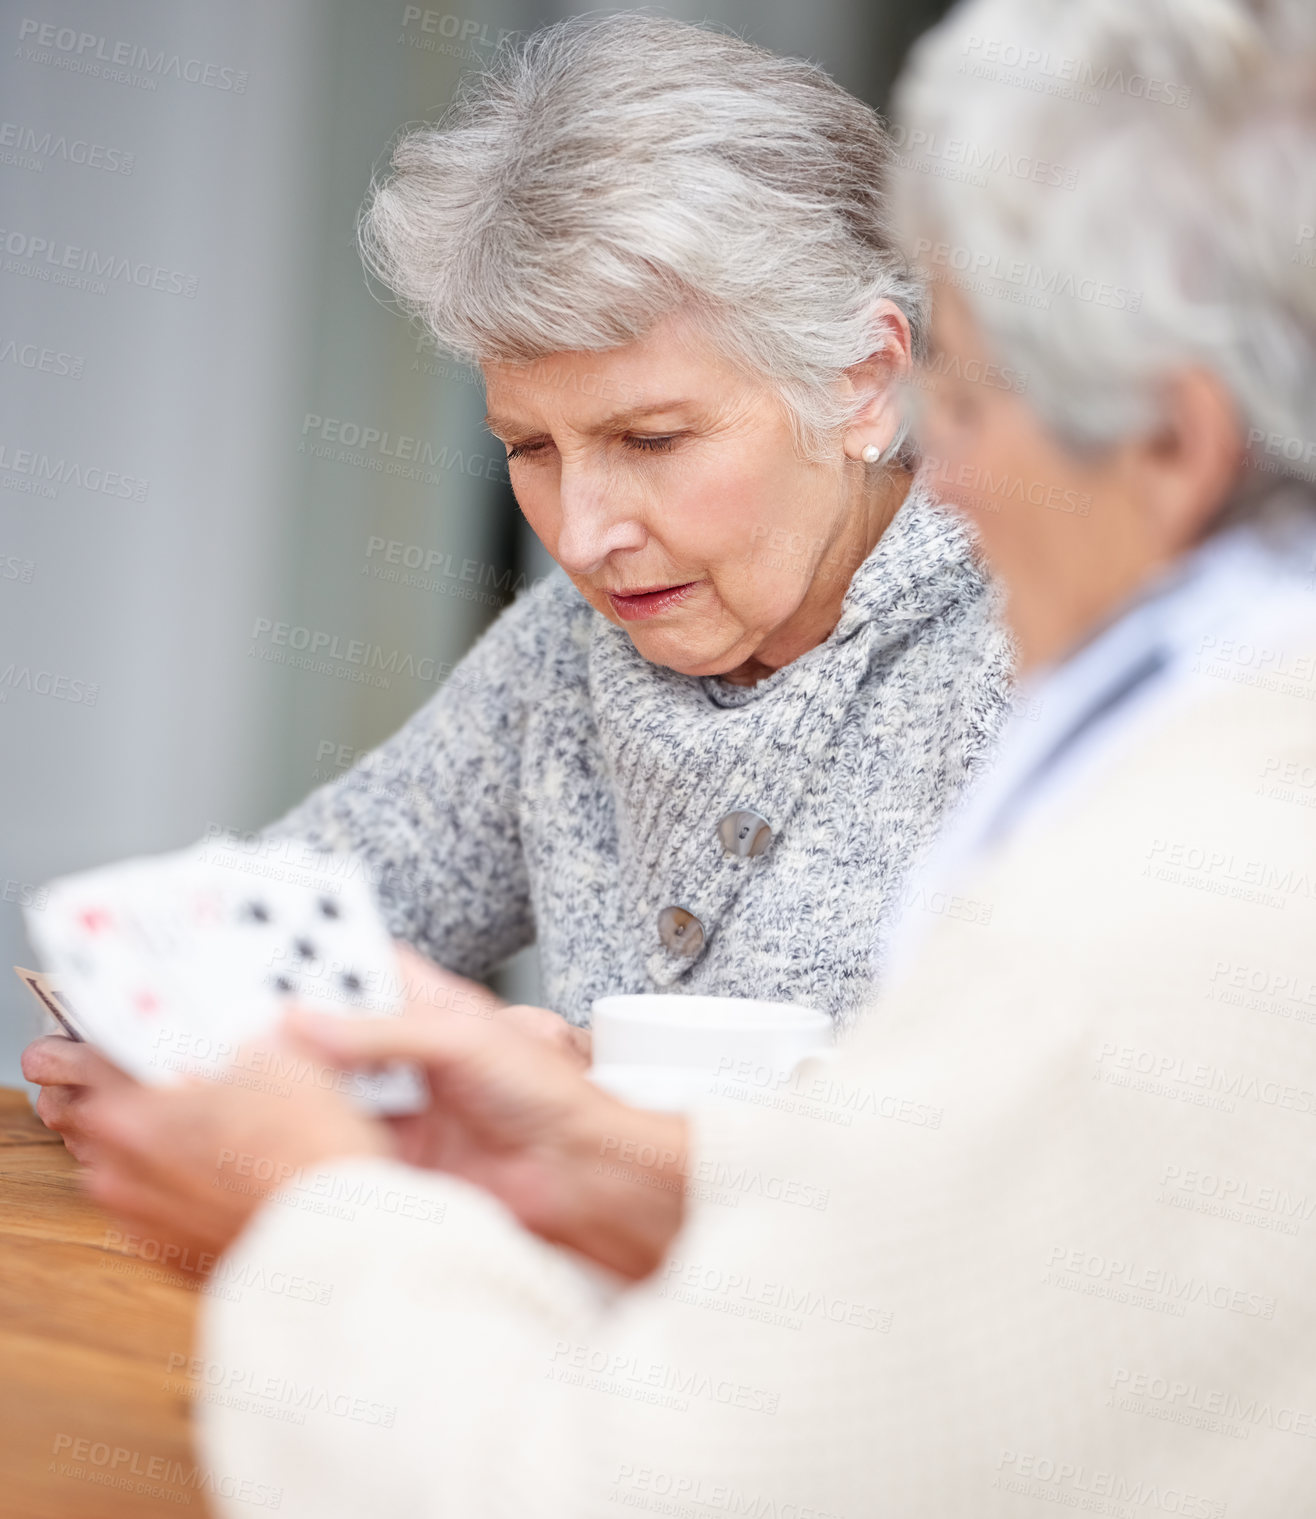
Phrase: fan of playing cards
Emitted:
{"points": [[170, 964]]}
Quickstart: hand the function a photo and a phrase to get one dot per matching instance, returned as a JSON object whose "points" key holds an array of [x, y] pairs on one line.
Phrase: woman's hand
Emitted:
{"points": [[551, 1029], [517, 1116], [189, 1164], [68, 1073], [428, 987], [511, 1111]]}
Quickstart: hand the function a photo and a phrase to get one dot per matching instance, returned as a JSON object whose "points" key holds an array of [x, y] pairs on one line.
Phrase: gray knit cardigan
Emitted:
{"points": [[560, 789]]}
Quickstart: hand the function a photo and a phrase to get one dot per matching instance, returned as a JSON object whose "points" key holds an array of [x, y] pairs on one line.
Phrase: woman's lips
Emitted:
{"points": [[635, 606]]}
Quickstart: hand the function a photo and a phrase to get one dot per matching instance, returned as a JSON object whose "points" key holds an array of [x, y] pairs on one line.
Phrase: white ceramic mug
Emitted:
{"points": [[665, 1051]]}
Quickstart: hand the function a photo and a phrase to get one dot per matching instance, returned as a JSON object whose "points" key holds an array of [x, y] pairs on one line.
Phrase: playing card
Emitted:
{"points": [[176, 961], [51, 999]]}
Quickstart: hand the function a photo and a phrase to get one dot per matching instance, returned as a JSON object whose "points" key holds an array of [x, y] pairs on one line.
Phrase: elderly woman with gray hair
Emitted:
{"points": [[705, 756]]}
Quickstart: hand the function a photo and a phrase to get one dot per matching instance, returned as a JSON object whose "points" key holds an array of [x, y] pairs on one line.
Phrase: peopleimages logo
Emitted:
{"points": [[39, 474], [464, 29], [87, 53], [1025, 276], [993, 57], [16, 677], [87, 268], [216, 1382], [645, 1381], [976, 486], [19, 142], [1299, 451], [152, 1476], [366, 447], [1182, 1396], [1099, 1490], [923, 150], [355, 659], [45, 360]]}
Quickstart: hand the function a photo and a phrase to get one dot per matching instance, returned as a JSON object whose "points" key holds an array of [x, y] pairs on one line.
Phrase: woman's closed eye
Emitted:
{"points": [[648, 443]]}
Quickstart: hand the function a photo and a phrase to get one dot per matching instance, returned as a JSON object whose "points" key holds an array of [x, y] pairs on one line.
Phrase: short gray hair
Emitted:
{"points": [[1132, 188], [607, 171]]}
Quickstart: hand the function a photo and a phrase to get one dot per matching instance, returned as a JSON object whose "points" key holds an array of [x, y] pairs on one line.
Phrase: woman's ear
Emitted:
{"points": [[1186, 468], [876, 383]]}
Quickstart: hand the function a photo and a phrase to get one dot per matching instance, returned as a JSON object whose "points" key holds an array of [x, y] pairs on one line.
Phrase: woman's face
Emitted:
{"points": [[1070, 536], [667, 485]]}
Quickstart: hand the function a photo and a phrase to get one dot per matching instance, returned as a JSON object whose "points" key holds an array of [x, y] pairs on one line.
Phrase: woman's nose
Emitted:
{"points": [[594, 525]]}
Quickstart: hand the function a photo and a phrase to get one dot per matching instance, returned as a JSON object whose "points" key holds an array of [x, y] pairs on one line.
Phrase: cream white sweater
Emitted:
{"points": [[1045, 1239]]}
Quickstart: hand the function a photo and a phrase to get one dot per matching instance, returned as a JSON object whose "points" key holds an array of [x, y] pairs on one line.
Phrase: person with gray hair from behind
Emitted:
{"points": [[1042, 1236], [703, 755]]}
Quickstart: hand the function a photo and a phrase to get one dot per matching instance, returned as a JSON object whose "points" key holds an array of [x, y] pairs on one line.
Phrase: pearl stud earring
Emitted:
{"points": [[871, 454]]}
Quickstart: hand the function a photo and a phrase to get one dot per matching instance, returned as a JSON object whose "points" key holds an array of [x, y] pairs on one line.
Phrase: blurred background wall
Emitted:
{"points": [[201, 408]]}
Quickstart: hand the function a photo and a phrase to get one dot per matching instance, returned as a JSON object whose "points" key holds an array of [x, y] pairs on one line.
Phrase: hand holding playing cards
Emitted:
{"points": [[513, 1112], [179, 968], [188, 1165], [68, 1072]]}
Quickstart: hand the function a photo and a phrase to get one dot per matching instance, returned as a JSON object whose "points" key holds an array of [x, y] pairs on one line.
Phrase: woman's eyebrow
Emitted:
{"points": [[630, 414], [500, 427], [504, 428]]}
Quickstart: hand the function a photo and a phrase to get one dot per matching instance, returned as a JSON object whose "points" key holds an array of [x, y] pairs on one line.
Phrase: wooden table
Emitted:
{"points": [[94, 1343]]}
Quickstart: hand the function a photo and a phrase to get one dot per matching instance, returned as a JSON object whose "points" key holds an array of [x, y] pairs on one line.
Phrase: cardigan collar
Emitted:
{"points": [[912, 574], [916, 569], [756, 752]]}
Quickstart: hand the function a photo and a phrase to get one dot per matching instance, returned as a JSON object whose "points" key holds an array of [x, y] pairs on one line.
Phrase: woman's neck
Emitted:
{"points": [[819, 612]]}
